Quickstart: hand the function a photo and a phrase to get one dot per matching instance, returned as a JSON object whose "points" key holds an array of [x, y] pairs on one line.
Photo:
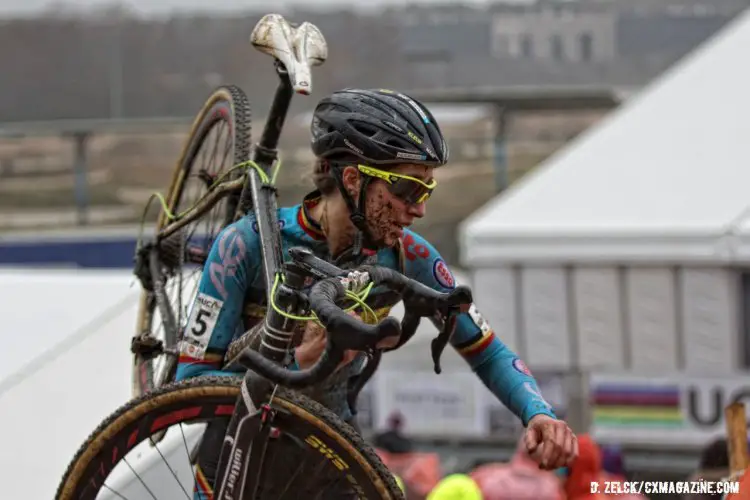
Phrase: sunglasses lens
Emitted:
{"points": [[410, 191]]}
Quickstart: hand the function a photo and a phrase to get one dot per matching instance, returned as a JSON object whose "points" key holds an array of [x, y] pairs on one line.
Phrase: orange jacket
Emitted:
{"points": [[587, 469], [744, 493]]}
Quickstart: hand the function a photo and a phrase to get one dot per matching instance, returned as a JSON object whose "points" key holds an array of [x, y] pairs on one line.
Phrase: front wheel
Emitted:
{"points": [[315, 455]]}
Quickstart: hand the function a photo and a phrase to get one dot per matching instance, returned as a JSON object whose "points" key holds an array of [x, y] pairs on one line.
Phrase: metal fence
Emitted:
{"points": [[74, 173]]}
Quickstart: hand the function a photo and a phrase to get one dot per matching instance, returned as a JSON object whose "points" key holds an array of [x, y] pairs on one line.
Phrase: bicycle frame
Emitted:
{"points": [[238, 473], [262, 199]]}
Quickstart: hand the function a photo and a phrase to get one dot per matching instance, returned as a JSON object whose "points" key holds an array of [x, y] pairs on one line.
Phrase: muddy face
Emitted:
{"points": [[382, 216], [387, 215]]}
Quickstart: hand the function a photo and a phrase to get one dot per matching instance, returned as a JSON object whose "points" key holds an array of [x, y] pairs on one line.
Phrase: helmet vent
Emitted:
{"points": [[364, 128]]}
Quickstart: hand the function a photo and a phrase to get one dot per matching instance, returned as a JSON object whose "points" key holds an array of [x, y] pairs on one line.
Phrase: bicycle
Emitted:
{"points": [[266, 417]]}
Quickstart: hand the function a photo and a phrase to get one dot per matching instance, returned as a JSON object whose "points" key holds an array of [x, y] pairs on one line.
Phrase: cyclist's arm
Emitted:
{"points": [[499, 368], [216, 312]]}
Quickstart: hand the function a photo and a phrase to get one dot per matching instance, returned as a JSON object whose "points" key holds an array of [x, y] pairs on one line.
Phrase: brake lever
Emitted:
{"points": [[438, 344], [460, 302]]}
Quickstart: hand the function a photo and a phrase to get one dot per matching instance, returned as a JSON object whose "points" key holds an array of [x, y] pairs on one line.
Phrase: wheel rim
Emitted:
{"points": [[128, 465], [210, 159]]}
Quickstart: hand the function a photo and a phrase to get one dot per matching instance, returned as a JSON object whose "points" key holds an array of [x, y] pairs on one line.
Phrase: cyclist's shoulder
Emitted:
{"points": [[242, 232], [247, 226], [417, 249], [422, 261], [411, 238], [289, 218]]}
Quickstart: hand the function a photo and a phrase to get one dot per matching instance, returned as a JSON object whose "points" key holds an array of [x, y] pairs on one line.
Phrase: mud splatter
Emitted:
{"points": [[381, 216]]}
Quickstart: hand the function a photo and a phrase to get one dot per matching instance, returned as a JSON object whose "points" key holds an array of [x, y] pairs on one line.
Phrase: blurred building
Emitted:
{"points": [[111, 63]]}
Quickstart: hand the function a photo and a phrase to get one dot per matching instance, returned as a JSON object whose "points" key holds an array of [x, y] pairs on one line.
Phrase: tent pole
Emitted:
{"points": [[500, 160]]}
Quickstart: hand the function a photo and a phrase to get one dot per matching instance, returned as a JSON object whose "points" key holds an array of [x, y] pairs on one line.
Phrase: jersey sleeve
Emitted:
{"points": [[499, 368], [215, 314]]}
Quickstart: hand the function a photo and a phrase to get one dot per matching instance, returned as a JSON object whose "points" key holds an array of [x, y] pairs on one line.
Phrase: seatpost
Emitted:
{"points": [[282, 98]]}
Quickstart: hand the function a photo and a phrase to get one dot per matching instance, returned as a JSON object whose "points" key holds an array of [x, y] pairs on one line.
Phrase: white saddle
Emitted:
{"points": [[298, 48]]}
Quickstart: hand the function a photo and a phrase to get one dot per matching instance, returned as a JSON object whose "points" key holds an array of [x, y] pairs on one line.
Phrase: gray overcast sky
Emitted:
{"points": [[161, 6]]}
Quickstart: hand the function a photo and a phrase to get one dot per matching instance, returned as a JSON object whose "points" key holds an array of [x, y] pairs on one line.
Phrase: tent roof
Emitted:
{"points": [[664, 175]]}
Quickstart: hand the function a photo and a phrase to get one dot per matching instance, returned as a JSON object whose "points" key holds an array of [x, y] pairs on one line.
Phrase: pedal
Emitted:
{"points": [[297, 48], [147, 347]]}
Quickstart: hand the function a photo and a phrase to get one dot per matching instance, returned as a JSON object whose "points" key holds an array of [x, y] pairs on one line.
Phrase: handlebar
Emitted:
{"points": [[345, 332]]}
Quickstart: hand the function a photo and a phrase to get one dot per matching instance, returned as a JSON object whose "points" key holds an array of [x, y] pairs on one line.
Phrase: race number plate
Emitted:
{"points": [[200, 326]]}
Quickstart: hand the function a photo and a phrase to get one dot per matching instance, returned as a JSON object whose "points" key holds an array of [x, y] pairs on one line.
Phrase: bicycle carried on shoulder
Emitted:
{"points": [[265, 417]]}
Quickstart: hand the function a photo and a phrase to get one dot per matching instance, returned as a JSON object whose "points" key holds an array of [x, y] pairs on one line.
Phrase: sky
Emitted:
{"points": [[27, 7]]}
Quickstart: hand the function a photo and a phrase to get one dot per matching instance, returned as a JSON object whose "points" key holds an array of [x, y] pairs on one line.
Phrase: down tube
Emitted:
{"points": [[234, 463]]}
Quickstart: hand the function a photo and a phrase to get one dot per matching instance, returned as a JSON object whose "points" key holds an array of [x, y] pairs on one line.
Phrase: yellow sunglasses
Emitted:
{"points": [[405, 187]]}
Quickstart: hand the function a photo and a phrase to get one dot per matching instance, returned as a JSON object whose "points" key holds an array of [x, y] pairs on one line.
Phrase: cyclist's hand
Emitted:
{"points": [[550, 442], [314, 343]]}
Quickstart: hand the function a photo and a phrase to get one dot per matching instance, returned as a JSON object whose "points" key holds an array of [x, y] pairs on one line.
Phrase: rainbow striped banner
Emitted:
{"points": [[637, 405]]}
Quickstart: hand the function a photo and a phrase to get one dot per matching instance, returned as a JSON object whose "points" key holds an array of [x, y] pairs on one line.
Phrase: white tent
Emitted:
{"points": [[65, 367], [615, 253], [664, 176]]}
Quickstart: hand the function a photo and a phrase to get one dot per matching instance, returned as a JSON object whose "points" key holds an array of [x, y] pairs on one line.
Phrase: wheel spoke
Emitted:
{"points": [[115, 492], [171, 470], [187, 452], [140, 479]]}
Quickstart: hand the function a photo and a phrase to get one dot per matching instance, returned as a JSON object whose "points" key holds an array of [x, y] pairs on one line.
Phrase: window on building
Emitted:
{"points": [[586, 42], [501, 44], [527, 46], [556, 52]]}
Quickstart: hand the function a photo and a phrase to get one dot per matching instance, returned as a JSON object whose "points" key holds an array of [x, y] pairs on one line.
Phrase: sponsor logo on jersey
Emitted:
{"points": [[231, 252], [412, 249], [442, 274], [521, 367]]}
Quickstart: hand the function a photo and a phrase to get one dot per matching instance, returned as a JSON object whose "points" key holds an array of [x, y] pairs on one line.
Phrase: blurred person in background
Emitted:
{"points": [[588, 468], [392, 439], [456, 487], [613, 462], [519, 479], [419, 471], [744, 491], [712, 466]]}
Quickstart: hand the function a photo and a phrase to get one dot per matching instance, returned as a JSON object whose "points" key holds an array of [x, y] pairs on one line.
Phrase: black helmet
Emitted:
{"points": [[378, 127]]}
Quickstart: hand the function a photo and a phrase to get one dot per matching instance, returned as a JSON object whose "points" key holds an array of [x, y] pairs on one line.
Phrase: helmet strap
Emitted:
{"points": [[362, 237]]}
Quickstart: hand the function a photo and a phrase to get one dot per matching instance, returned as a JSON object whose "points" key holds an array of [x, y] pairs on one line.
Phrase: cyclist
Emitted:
{"points": [[376, 152]]}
